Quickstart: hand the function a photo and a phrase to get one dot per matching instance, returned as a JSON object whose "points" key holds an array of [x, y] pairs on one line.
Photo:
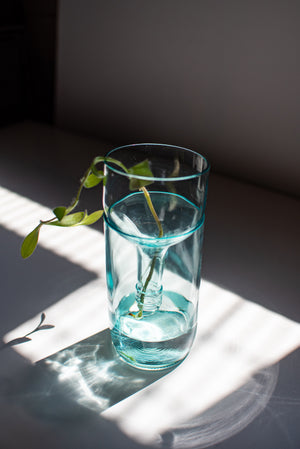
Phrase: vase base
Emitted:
{"points": [[153, 355], [159, 339], [148, 366]]}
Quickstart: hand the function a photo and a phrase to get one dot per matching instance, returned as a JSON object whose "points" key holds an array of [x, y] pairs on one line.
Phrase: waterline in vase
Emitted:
{"points": [[132, 218]]}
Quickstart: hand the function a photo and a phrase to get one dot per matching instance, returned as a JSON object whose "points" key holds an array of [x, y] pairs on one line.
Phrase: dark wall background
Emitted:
{"points": [[218, 76], [221, 77], [27, 55]]}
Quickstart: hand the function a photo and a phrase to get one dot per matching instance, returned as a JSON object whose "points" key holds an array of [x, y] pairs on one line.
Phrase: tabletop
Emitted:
{"points": [[61, 382]]}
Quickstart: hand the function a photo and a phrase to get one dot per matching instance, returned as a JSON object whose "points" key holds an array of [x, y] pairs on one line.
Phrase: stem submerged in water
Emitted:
{"points": [[154, 259], [145, 286]]}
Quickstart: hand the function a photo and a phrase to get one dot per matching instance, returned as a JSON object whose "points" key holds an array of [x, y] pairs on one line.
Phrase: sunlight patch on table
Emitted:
{"points": [[80, 244], [77, 316], [236, 338]]}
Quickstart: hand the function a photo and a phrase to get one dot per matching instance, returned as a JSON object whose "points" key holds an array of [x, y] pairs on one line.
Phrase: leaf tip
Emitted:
{"points": [[30, 242]]}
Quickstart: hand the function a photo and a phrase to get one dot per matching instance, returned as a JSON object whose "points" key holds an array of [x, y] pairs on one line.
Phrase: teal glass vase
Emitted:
{"points": [[153, 223]]}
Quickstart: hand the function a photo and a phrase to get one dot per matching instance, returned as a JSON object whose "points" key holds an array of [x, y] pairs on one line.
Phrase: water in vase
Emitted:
{"points": [[153, 316]]}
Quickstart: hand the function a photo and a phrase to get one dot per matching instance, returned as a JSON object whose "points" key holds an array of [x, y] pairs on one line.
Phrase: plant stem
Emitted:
{"points": [[145, 286], [151, 207], [160, 234], [76, 199]]}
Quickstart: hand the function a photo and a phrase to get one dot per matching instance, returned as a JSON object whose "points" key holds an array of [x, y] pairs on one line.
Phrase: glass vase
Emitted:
{"points": [[154, 202]]}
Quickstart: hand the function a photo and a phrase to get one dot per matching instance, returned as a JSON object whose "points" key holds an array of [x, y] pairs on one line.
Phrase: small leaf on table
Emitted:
{"points": [[18, 341], [45, 326]]}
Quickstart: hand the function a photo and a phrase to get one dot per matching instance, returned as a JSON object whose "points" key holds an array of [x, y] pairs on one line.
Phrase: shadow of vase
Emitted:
{"points": [[83, 378]]}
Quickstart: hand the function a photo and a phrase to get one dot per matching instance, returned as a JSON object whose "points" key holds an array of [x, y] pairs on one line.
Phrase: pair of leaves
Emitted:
{"points": [[40, 326], [26, 338], [76, 219]]}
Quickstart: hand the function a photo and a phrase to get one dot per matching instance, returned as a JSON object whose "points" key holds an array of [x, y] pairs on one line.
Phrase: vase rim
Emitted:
{"points": [[173, 179]]}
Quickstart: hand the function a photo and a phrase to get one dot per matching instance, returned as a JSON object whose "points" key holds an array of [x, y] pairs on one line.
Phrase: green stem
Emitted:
{"points": [[152, 266], [76, 199], [145, 286], [151, 207], [42, 222]]}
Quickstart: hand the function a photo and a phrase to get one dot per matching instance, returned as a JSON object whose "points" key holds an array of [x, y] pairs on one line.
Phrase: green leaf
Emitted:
{"points": [[93, 180], [92, 218], [69, 220], [116, 162], [95, 171], [140, 169], [60, 212], [30, 242]]}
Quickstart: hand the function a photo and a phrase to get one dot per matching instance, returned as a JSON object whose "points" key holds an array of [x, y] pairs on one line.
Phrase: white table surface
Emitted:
{"points": [[65, 387]]}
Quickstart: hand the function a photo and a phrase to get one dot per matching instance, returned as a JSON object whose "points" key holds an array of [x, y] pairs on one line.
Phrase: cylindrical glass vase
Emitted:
{"points": [[154, 201]]}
